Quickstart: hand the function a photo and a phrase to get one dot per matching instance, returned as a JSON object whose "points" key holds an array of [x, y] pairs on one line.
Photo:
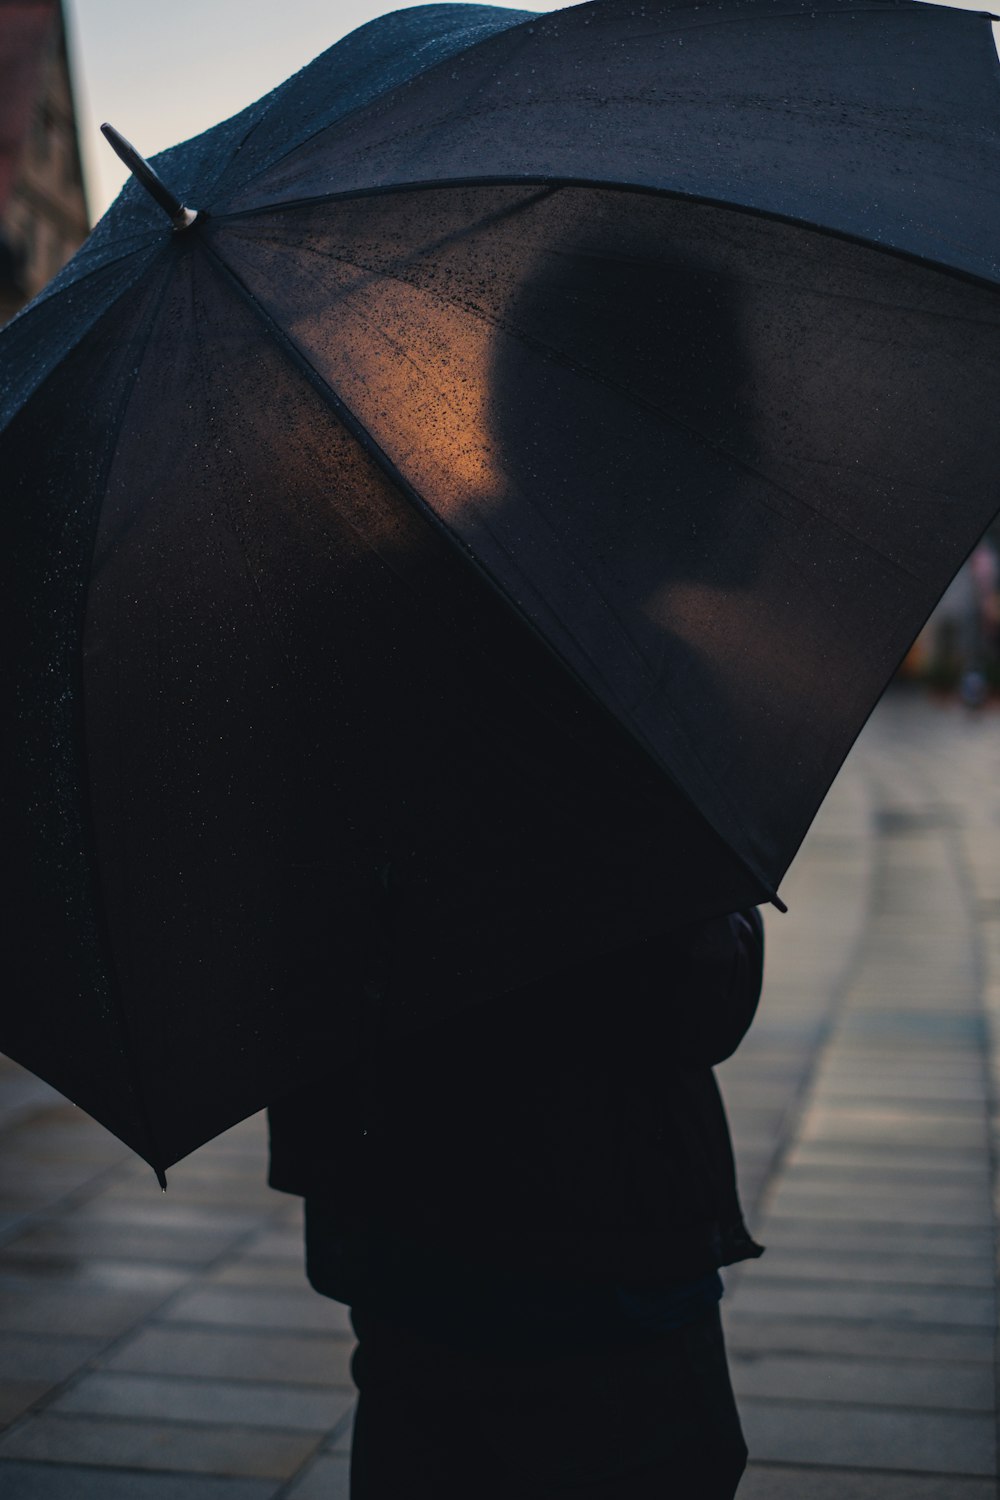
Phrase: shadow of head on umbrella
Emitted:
{"points": [[623, 404]]}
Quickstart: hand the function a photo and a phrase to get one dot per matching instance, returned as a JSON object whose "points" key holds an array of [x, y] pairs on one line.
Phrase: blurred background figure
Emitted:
{"points": [[957, 648]]}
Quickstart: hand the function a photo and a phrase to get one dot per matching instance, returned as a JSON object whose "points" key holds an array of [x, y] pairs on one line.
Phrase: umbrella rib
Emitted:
{"points": [[383, 461], [90, 832], [513, 179], [22, 319], [532, 19], [64, 281]]}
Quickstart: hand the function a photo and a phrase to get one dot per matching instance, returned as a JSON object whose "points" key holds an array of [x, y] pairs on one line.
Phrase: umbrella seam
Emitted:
{"points": [[45, 299], [532, 19], [514, 180], [87, 812]]}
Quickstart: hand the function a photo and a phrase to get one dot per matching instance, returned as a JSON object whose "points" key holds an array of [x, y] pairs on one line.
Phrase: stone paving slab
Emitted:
{"points": [[901, 1165], [815, 1264], [35, 1273], [258, 1273], [191, 1246], [865, 1185], [243, 1451], [889, 1123], [952, 1309], [49, 1360], [908, 1209], [327, 1479], [869, 1438], [880, 1382], [43, 1481], [863, 1340], [96, 1313], [278, 1244], [215, 1402], [298, 1311], [313, 1359], [861, 1182], [766, 1482], [160, 1215], [934, 1242]]}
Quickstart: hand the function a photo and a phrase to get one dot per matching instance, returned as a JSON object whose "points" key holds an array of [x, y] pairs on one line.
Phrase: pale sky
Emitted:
{"points": [[161, 72]]}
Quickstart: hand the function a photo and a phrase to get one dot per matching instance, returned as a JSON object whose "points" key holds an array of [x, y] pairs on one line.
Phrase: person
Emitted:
{"points": [[526, 1207]]}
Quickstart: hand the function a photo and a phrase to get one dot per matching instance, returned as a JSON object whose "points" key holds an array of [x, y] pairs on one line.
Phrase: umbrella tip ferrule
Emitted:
{"points": [[777, 901], [181, 217]]}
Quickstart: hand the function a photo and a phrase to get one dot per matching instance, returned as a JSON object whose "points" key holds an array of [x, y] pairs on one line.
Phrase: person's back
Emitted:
{"points": [[529, 1204]]}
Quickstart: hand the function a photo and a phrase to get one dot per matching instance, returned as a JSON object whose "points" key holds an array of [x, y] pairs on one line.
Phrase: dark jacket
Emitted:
{"points": [[572, 1132]]}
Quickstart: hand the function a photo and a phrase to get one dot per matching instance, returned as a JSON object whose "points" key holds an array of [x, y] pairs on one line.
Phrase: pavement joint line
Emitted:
{"points": [[912, 1325], [804, 1283], [781, 1352], [134, 1419], [851, 1471], [899, 1408], [248, 1330], [295, 1387], [178, 1474], [833, 1356]]}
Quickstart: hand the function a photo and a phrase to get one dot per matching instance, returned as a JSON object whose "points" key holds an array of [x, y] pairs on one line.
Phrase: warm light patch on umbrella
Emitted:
{"points": [[415, 369]]}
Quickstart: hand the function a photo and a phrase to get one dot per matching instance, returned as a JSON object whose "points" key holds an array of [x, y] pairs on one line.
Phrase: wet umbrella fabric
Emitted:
{"points": [[479, 538]]}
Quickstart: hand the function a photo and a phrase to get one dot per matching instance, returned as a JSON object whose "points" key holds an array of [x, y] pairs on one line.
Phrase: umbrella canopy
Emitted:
{"points": [[478, 538]]}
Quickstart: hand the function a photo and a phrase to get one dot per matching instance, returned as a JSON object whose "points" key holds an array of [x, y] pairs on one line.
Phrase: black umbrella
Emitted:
{"points": [[473, 534]]}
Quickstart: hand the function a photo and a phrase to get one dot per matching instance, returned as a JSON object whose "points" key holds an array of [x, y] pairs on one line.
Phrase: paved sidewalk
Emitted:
{"points": [[863, 1344], [167, 1348]]}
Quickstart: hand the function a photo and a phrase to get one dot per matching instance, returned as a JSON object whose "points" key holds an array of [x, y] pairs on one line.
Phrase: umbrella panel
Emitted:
{"points": [[876, 119], [724, 464], [298, 690], [297, 676], [62, 1014], [201, 820]]}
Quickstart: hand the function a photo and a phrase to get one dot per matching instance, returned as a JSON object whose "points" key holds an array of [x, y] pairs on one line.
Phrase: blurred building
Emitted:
{"points": [[43, 207]]}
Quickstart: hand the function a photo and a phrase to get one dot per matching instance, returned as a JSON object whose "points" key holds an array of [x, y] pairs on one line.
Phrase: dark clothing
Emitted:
{"points": [[571, 1136], [650, 1421], [526, 1207]]}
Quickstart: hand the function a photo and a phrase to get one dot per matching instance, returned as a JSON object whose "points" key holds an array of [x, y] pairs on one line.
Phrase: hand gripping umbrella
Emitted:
{"points": [[470, 534]]}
